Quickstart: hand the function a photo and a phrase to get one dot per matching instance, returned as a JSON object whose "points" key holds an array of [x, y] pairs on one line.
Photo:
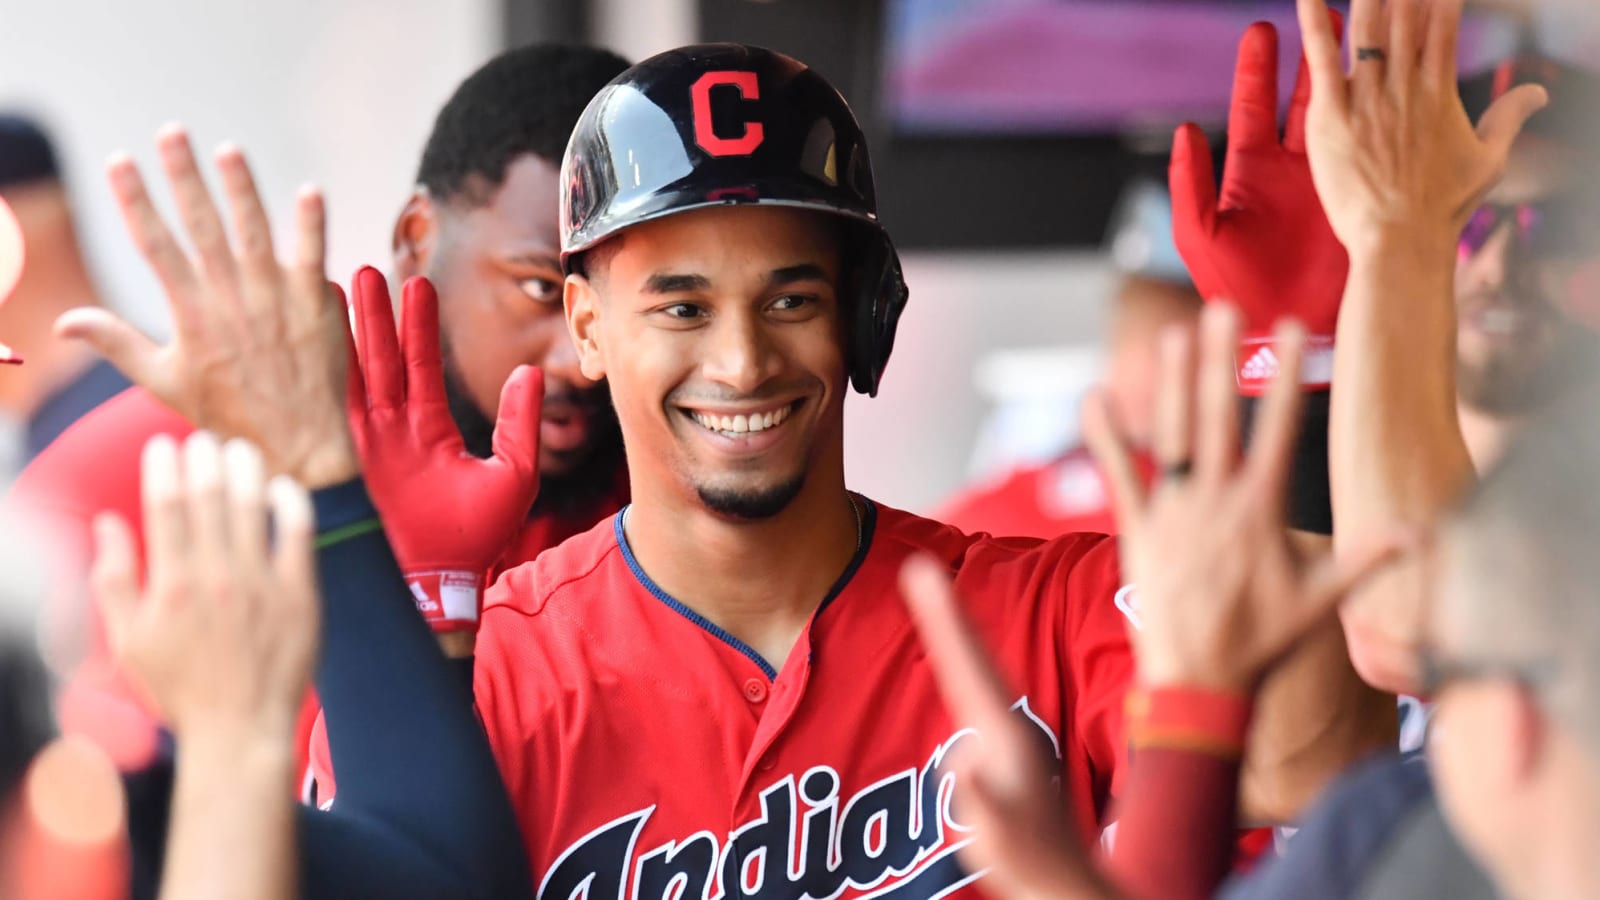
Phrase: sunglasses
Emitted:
{"points": [[1558, 228]]}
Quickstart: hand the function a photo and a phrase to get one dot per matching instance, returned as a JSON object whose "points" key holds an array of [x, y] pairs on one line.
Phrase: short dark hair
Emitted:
{"points": [[523, 101], [26, 153]]}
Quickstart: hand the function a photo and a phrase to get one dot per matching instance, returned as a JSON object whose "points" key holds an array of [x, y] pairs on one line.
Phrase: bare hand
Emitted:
{"points": [[224, 635], [1390, 145], [1222, 592], [1021, 833], [260, 348]]}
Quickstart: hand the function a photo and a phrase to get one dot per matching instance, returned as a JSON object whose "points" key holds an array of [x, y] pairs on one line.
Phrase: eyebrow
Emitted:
{"points": [[791, 274], [669, 283], [533, 260], [666, 283]]}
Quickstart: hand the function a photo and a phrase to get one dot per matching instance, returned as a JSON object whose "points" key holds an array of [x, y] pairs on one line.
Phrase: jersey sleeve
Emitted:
{"points": [[1100, 662]]}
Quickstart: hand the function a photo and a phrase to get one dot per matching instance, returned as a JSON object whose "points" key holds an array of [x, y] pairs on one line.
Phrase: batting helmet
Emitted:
{"points": [[720, 124]]}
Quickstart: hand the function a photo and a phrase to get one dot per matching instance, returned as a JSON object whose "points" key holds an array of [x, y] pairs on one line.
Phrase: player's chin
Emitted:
{"points": [[748, 498]]}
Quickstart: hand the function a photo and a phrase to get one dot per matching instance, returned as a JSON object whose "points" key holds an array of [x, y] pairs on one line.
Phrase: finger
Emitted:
{"points": [[1278, 418], [1404, 32], [419, 345], [206, 499], [1294, 130], [1174, 404], [244, 475], [1253, 114], [154, 241], [1331, 578], [1367, 30], [1504, 119], [516, 427], [123, 345], [1192, 180], [251, 228], [962, 668], [1217, 432], [115, 575], [311, 237], [1439, 52], [294, 537], [196, 210], [1115, 460], [377, 345], [1320, 29], [166, 525]]}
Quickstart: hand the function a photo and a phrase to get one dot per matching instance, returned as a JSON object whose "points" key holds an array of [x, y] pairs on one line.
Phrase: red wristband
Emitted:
{"points": [[1186, 718], [448, 599]]}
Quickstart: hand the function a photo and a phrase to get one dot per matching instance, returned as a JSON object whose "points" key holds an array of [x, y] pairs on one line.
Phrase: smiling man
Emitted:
{"points": [[718, 691]]}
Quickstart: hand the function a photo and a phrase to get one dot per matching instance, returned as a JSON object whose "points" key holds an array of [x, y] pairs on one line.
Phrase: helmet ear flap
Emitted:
{"points": [[877, 290]]}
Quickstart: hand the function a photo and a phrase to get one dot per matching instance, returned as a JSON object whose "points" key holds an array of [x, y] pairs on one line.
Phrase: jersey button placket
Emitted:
{"points": [[755, 691]]}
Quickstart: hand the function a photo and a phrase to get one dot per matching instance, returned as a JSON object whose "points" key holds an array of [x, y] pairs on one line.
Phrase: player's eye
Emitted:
{"points": [[683, 311], [541, 289]]}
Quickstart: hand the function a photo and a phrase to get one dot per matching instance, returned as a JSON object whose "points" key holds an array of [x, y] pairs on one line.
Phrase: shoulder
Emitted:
{"points": [[95, 462], [558, 574], [1004, 567]]}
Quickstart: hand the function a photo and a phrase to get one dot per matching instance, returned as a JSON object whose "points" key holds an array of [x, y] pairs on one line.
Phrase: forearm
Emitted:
{"points": [[1397, 458], [407, 747], [232, 821]]}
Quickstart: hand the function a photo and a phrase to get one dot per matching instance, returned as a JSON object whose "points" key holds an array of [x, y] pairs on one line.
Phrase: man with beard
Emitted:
{"points": [[481, 223]]}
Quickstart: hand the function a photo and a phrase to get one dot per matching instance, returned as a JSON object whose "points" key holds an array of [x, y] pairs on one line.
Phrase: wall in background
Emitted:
{"points": [[341, 94]]}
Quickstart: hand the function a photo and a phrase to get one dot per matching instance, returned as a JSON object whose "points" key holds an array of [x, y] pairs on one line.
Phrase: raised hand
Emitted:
{"points": [[1222, 594], [1263, 242], [449, 514], [259, 350], [1390, 144], [1022, 837], [224, 633]]}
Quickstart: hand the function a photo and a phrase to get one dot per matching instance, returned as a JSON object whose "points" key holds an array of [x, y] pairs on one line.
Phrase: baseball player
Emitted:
{"points": [[716, 691], [480, 223]]}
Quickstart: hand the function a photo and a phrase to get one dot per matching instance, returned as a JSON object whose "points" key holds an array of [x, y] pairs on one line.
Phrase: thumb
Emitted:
{"points": [[516, 428], [127, 348], [114, 574], [1504, 119], [1192, 179], [1332, 578]]}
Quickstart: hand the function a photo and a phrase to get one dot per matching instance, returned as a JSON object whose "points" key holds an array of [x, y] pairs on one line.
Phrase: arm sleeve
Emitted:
{"points": [[421, 810], [1175, 827]]}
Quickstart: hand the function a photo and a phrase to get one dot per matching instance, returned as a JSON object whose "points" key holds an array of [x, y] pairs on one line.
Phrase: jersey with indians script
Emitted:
{"points": [[652, 756]]}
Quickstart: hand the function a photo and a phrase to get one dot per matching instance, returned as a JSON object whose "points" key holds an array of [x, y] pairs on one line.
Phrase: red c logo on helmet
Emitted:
{"points": [[704, 134]]}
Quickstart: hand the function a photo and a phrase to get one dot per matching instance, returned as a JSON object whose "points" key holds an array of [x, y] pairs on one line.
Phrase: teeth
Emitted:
{"points": [[742, 424]]}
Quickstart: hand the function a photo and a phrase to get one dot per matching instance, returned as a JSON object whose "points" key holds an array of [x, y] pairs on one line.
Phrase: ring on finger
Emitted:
{"points": [[1177, 471], [1370, 54]]}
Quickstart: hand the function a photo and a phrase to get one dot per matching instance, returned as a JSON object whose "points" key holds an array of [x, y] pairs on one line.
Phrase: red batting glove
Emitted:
{"points": [[1265, 244], [448, 514]]}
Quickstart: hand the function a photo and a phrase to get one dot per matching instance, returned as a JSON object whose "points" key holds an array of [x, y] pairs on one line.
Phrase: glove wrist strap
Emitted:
{"points": [[448, 599], [1257, 364]]}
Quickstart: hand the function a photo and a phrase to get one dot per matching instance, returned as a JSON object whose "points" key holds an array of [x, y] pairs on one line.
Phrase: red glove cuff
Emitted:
{"points": [[1257, 362], [448, 599], [1196, 719]]}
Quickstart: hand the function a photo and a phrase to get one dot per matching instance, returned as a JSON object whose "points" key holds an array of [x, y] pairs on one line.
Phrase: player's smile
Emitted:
{"points": [[744, 430]]}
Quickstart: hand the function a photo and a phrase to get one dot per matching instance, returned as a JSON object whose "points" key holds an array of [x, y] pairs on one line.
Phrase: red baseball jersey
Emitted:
{"points": [[1063, 496], [652, 756]]}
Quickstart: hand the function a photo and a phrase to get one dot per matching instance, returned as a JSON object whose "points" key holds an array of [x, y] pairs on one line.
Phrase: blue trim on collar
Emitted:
{"points": [[869, 521]]}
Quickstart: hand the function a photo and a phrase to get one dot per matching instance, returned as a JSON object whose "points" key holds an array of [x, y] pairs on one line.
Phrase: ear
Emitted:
{"points": [[581, 302], [415, 231], [1527, 733]]}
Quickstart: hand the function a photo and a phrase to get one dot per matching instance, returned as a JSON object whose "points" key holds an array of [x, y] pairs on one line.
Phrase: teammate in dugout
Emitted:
{"points": [[481, 224], [720, 685]]}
